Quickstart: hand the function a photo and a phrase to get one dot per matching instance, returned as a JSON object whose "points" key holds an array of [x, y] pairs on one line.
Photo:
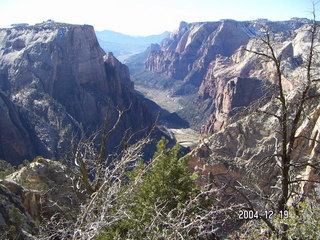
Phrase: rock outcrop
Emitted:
{"points": [[56, 77], [247, 144], [37, 193], [15, 221], [30, 199], [238, 80], [45, 189], [185, 54]]}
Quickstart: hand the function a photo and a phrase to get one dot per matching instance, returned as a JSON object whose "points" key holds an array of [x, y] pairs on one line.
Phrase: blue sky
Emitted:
{"points": [[145, 17]]}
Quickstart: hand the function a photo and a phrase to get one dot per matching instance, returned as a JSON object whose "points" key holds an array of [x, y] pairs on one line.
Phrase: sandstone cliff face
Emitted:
{"points": [[207, 57], [186, 54], [58, 77], [243, 147], [238, 80], [15, 140]]}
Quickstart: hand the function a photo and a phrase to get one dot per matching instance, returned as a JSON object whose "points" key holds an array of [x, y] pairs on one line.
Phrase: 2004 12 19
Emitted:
{"points": [[252, 214]]}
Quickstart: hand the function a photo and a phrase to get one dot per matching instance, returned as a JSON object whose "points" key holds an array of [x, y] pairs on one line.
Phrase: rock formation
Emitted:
{"points": [[246, 143], [15, 221], [207, 59], [186, 54], [238, 80], [54, 77], [38, 192], [44, 187]]}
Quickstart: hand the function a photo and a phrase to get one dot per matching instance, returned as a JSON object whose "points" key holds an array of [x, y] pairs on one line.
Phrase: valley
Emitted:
{"points": [[240, 99], [162, 97], [186, 137]]}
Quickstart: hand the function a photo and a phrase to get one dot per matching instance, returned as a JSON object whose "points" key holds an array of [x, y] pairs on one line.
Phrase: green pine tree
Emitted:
{"points": [[168, 181], [165, 182]]}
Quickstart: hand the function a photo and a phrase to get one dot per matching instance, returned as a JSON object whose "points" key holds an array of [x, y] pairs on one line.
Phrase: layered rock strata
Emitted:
{"points": [[238, 80], [207, 59], [57, 78]]}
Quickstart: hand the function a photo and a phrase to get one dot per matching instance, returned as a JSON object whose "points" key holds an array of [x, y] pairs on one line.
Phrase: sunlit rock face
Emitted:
{"points": [[241, 142], [208, 57], [42, 183], [238, 80], [186, 53], [57, 77]]}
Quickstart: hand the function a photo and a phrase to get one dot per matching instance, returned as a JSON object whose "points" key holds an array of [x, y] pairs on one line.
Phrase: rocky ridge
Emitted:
{"points": [[54, 77], [41, 191], [237, 81], [207, 59], [247, 148]]}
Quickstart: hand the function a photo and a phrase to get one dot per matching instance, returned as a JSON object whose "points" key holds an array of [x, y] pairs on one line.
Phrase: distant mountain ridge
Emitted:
{"points": [[122, 45]]}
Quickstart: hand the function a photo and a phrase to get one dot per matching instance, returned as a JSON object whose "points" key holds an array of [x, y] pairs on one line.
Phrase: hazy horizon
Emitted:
{"points": [[142, 17]]}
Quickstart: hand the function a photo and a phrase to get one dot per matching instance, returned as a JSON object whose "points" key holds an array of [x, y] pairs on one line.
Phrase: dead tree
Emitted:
{"points": [[289, 113], [89, 156]]}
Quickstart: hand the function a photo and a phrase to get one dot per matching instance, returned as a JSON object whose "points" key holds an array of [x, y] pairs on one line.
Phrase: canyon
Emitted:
{"points": [[214, 93], [208, 61]]}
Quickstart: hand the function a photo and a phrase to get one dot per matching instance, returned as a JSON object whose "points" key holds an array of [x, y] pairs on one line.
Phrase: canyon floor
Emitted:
{"points": [[186, 137]]}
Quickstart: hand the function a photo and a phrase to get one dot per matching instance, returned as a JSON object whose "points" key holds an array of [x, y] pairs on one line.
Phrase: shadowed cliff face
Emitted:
{"points": [[58, 77], [14, 138]]}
